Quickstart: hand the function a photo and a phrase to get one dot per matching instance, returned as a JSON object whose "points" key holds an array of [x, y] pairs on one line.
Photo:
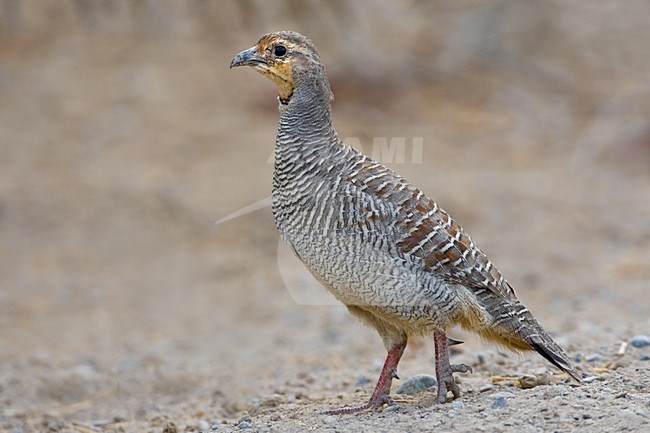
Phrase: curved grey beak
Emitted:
{"points": [[247, 57]]}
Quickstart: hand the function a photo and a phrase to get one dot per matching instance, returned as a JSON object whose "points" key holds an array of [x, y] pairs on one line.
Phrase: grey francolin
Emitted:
{"points": [[383, 248]]}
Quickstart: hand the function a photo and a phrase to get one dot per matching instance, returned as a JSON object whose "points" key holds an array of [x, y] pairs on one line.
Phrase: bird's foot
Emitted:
{"points": [[444, 370], [447, 383], [376, 402], [381, 394]]}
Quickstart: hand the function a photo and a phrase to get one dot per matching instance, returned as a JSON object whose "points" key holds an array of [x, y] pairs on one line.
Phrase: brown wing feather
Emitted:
{"points": [[428, 233]]}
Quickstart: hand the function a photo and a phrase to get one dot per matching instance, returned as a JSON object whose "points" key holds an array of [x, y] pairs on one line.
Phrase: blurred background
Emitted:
{"points": [[124, 138]]}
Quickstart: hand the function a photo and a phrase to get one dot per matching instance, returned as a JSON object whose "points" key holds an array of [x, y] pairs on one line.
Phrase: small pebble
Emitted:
{"points": [[498, 395], [644, 357], [392, 408], [203, 426], [170, 427], [332, 336], [627, 413], [593, 357], [362, 380], [488, 387], [590, 379], [245, 425], [499, 402], [457, 404], [640, 341], [417, 383], [245, 417], [528, 381]]}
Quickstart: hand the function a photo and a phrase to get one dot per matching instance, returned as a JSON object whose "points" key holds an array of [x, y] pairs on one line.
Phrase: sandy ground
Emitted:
{"points": [[124, 307]]}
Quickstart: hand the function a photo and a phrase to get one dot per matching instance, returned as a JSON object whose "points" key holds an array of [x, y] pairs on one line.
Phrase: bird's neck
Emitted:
{"points": [[306, 122], [306, 146]]}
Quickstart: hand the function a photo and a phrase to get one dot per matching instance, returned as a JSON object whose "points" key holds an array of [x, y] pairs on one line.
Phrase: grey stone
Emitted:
{"points": [[593, 357], [245, 425], [457, 404], [417, 383], [498, 395], [640, 341], [528, 381], [245, 417], [362, 380], [500, 402], [393, 408]]}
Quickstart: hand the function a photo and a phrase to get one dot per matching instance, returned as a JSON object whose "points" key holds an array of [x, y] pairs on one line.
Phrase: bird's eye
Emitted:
{"points": [[279, 51]]}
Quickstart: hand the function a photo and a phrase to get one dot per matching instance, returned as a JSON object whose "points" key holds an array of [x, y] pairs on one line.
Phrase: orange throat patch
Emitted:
{"points": [[280, 74]]}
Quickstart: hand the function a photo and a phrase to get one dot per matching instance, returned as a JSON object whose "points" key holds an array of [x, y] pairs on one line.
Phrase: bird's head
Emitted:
{"points": [[290, 60]]}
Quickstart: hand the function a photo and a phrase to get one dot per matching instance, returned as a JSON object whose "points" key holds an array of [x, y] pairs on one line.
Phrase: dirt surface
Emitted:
{"points": [[124, 139]]}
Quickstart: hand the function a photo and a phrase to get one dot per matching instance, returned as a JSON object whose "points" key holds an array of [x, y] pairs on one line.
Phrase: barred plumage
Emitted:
{"points": [[397, 260]]}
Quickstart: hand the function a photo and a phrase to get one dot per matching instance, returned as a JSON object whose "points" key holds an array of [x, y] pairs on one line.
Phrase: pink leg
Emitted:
{"points": [[444, 371], [381, 395]]}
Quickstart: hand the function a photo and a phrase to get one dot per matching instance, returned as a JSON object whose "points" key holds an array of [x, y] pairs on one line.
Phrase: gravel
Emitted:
{"points": [[98, 229]]}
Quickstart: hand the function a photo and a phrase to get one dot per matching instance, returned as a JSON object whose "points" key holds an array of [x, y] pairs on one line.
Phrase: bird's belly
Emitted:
{"points": [[360, 272]]}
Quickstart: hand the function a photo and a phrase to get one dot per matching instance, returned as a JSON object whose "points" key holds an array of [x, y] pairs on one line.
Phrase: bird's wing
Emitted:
{"points": [[426, 233]]}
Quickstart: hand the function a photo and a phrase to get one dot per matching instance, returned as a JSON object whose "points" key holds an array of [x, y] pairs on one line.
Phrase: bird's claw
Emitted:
{"points": [[460, 368], [374, 403], [447, 382]]}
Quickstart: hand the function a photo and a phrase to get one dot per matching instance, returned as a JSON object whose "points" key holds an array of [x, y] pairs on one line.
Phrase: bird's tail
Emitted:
{"points": [[513, 326], [555, 355]]}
